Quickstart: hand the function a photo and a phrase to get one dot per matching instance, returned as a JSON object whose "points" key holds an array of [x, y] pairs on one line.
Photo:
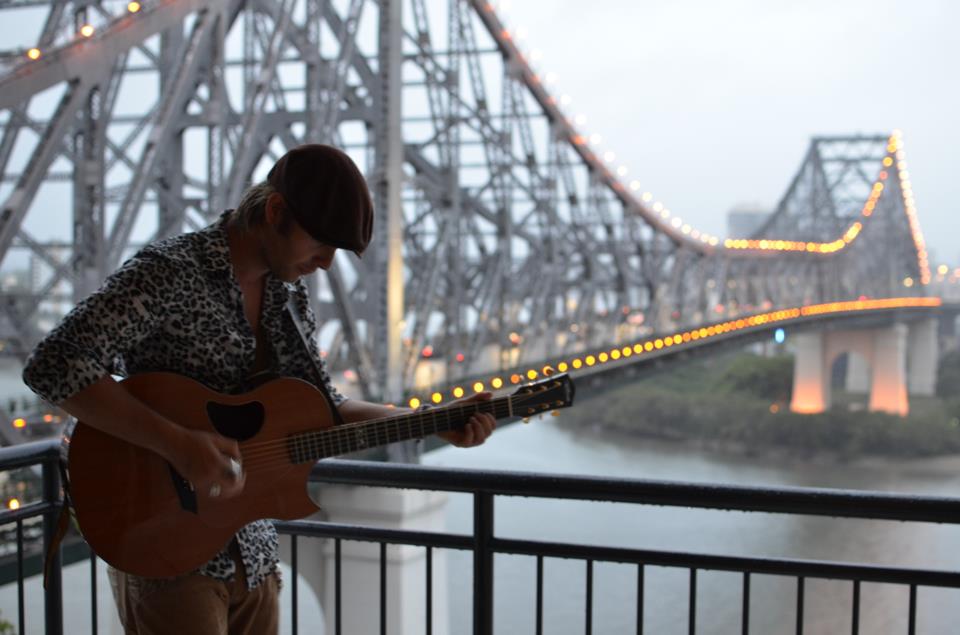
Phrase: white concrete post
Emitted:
{"points": [[811, 392], [360, 561], [889, 390]]}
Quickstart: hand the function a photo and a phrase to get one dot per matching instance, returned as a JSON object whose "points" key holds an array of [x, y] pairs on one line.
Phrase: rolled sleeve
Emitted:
{"points": [[90, 340]]}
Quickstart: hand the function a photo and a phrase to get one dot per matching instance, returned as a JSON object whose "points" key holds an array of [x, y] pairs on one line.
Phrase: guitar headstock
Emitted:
{"points": [[550, 393]]}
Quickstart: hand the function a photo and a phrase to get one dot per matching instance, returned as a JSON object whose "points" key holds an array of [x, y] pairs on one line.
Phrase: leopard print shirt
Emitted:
{"points": [[176, 306]]}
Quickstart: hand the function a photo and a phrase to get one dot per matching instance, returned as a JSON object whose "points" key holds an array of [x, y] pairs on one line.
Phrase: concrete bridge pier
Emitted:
{"points": [[888, 392], [360, 561], [887, 352]]}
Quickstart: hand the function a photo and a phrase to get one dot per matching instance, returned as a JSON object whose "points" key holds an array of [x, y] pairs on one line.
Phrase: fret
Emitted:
{"points": [[339, 440]]}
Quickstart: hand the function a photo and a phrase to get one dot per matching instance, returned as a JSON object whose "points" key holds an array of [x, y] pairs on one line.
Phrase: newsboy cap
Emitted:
{"points": [[327, 195]]}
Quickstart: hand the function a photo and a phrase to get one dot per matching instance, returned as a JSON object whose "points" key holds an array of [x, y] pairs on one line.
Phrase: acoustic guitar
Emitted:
{"points": [[141, 516]]}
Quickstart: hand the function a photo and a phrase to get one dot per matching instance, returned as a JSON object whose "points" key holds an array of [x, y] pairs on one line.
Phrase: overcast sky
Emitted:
{"points": [[712, 104]]}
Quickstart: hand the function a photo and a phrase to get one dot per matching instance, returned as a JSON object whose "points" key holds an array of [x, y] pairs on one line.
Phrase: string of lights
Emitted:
{"points": [[703, 333]]}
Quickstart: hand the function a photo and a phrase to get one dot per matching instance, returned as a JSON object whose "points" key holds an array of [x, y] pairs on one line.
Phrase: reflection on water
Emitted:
{"points": [[546, 447]]}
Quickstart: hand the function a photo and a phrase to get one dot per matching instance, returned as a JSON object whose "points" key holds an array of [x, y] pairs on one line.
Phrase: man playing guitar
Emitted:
{"points": [[211, 305]]}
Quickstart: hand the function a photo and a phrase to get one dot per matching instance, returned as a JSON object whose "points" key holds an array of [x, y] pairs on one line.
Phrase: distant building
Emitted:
{"points": [[744, 220]]}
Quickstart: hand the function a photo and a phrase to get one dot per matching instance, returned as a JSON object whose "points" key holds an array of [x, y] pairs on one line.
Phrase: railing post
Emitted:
{"points": [[53, 595], [482, 564]]}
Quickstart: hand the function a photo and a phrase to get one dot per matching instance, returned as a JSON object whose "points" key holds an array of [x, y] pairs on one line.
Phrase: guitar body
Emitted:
{"points": [[143, 518]]}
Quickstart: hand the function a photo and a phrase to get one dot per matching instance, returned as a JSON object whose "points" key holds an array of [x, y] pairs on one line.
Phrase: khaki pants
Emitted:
{"points": [[196, 604]]}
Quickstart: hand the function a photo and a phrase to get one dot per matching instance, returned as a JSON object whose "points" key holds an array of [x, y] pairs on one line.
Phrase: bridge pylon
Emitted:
{"points": [[900, 359]]}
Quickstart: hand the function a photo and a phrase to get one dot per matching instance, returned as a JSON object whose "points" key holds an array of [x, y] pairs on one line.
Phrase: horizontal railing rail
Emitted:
{"points": [[485, 486]]}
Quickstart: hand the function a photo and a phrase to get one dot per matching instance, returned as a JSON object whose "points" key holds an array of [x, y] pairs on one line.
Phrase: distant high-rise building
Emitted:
{"points": [[745, 219]]}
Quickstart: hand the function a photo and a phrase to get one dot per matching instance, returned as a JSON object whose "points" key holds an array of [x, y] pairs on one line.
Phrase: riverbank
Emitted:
{"points": [[740, 404]]}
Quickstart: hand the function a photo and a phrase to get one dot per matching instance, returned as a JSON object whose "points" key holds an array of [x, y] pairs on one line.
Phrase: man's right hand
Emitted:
{"points": [[201, 457], [204, 459]]}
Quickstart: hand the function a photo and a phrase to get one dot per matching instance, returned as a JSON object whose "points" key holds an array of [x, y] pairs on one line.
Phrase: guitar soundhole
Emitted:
{"points": [[239, 422]]}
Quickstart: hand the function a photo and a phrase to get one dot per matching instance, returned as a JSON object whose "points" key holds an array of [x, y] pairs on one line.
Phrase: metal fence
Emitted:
{"points": [[486, 486]]}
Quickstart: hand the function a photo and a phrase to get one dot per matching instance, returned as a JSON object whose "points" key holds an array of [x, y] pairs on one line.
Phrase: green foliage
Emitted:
{"points": [[769, 378], [5, 626], [948, 375], [741, 403]]}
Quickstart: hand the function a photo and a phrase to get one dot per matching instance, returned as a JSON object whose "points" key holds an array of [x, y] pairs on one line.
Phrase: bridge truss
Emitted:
{"points": [[502, 236]]}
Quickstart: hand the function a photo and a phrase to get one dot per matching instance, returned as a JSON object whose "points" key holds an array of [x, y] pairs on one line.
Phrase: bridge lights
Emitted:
{"points": [[478, 386], [414, 403], [436, 397], [133, 7], [86, 30], [19, 422], [908, 281], [779, 336], [458, 392], [33, 54], [13, 503]]}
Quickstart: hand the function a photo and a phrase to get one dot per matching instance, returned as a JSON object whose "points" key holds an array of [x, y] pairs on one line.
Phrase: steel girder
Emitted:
{"points": [[518, 243]]}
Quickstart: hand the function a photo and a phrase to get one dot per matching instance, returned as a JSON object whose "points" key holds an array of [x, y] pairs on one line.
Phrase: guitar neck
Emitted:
{"points": [[320, 444]]}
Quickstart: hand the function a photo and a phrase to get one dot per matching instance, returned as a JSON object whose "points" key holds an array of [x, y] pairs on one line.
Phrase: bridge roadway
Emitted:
{"points": [[651, 354]]}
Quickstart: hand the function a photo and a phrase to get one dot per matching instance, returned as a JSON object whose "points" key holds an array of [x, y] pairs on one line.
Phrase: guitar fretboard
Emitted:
{"points": [[335, 441]]}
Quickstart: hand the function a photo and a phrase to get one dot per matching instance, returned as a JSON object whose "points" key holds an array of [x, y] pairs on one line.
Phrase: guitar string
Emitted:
{"points": [[496, 402], [330, 442], [341, 439], [338, 439], [382, 422], [396, 418]]}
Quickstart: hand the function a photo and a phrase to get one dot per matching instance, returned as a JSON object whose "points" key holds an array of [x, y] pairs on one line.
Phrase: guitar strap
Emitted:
{"points": [[302, 331]]}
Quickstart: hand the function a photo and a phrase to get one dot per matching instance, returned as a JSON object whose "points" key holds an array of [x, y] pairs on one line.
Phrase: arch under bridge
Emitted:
{"points": [[504, 238]]}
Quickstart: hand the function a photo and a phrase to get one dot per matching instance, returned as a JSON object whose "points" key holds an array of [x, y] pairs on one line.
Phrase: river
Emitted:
{"points": [[547, 446]]}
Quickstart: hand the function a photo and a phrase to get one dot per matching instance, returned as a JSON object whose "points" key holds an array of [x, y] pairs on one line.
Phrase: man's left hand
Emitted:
{"points": [[478, 428]]}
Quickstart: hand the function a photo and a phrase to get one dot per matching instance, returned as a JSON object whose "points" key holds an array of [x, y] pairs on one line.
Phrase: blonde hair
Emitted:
{"points": [[253, 205]]}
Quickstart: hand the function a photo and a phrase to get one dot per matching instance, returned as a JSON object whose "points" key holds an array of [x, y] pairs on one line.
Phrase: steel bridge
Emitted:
{"points": [[504, 236]]}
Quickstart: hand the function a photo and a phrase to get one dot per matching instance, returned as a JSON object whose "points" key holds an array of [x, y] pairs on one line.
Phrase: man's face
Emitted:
{"points": [[290, 251]]}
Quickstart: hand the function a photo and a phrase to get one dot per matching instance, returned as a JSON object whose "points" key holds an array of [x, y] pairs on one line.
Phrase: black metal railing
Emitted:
{"points": [[483, 543]]}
